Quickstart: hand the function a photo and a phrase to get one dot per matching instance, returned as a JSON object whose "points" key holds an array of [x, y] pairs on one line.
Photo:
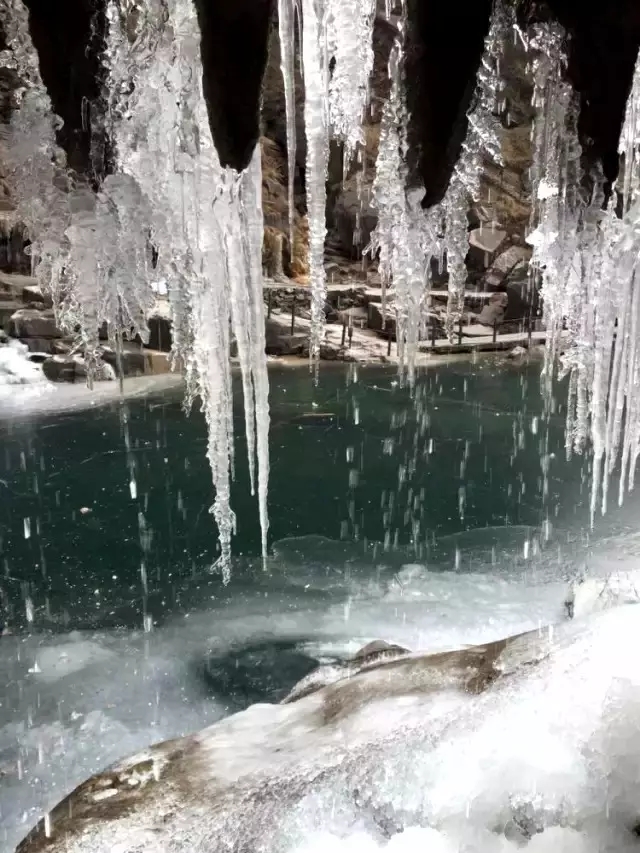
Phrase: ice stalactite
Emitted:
{"points": [[83, 248], [350, 41], [315, 64], [482, 143], [404, 236], [169, 213], [207, 226], [409, 239], [587, 257], [337, 60], [286, 28]]}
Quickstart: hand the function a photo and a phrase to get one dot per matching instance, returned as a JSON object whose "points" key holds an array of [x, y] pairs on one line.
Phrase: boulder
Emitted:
{"points": [[494, 312], [29, 323], [504, 306], [133, 359], [72, 368], [33, 294], [508, 263], [47, 345], [280, 341], [60, 368], [487, 239]]}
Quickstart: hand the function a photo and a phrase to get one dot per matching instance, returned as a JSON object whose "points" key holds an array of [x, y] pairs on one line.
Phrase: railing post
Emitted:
{"points": [[344, 332], [460, 331], [388, 341], [269, 301], [495, 331], [293, 313]]}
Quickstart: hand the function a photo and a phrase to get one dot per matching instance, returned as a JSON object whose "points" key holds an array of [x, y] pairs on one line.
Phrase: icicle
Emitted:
{"points": [[482, 142], [629, 146], [209, 253], [315, 67], [350, 46], [587, 258], [169, 213], [286, 26], [408, 239]]}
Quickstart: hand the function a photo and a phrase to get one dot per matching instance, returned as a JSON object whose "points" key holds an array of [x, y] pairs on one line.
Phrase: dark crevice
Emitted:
{"points": [[235, 38]]}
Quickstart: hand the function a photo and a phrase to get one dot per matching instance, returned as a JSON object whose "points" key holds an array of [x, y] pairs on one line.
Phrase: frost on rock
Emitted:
{"points": [[169, 213], [587, 258]]}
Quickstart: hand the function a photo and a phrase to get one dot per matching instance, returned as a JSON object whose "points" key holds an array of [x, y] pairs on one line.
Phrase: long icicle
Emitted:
{"points": [[287, 32]]}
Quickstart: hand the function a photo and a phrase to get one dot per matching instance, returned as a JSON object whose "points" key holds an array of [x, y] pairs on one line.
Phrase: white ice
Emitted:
{"points": [[88, 699]]}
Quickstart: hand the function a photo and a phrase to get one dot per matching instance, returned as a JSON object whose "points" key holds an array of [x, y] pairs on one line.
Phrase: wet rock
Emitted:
{"points": [[72, 368], [494, 312], [280, 341], [132, 360], [378, 650], [47, 345], [28, 323], [485, 242], [60, 368]]}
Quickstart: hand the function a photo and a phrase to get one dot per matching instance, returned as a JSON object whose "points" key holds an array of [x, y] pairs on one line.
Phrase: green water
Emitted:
{"points": [[352, 461]]}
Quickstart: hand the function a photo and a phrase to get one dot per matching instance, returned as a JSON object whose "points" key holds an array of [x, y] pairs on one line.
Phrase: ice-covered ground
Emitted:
{"points": [[17, 370], [75, 703]]}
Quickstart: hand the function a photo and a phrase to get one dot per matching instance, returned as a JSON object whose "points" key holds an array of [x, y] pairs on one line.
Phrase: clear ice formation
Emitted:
{"points": [[170, 213], [409, 239], [286, 31], [169, 198], [337, 61], [587, 257]]}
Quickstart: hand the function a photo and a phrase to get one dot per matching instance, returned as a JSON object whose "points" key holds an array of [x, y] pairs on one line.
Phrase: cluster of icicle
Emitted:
{"points": [[588, 258], [337, 61], [169, 213], [410, 240]]}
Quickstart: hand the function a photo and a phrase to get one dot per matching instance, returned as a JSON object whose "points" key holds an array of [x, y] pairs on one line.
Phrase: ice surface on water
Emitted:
{"points": [[87, 699]]}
